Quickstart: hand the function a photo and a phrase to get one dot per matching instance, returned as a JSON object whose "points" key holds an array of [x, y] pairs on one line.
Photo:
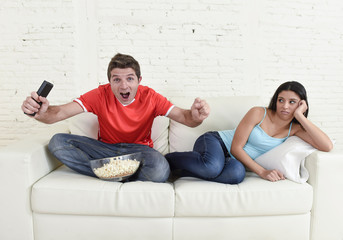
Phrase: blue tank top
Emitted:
{"points": [[258, 142]]}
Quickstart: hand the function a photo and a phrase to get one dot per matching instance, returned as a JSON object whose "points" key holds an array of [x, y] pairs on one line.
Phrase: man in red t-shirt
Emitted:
{"points": [[125, 111]]}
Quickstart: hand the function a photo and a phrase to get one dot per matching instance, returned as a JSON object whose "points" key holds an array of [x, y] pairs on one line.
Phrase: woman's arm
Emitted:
{"points": [[249, 121], [310, 132]]}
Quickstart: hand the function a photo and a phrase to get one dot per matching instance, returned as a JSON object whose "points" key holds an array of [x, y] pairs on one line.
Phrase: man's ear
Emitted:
{"points": [[140, 79]]}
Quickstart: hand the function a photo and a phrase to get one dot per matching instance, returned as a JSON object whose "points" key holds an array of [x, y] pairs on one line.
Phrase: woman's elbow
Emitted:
{"points": [[327, 148], [235, 149]]}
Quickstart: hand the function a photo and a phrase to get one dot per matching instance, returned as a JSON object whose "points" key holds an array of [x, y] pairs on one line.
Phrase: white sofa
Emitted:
{"points": [[41, 200]]}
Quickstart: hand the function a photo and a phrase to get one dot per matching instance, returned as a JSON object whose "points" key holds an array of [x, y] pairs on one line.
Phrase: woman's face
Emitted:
{"points": [[287, 103]]}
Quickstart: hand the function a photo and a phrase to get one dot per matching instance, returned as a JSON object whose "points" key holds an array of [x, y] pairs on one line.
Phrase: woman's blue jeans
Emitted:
{"points": [[209, 160], [77, 151]]}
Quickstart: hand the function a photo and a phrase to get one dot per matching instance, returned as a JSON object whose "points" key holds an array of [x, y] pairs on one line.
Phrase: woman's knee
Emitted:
{"points": [[237, 173], [233, 172], [213, 169]]}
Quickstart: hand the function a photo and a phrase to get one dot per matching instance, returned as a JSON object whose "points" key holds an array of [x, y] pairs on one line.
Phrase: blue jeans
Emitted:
{"points": [[77, 151], [209, 160]]}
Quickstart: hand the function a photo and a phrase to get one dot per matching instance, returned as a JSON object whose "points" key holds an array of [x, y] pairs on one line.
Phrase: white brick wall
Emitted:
{"points": [[185, 47]]}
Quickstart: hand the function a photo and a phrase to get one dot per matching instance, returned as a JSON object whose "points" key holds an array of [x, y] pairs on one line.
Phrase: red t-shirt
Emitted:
{"points": [[125, 124]]}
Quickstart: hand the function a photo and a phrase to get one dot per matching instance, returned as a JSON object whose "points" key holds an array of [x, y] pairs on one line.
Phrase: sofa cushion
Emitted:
{"points": [[226, 113], [86, 124], [160, 133], [64, 191], [253, 197]]}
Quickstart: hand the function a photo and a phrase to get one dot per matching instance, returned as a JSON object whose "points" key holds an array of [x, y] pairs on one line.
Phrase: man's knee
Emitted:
{"points": [[56, 141], [155, 168], [162, 171]]}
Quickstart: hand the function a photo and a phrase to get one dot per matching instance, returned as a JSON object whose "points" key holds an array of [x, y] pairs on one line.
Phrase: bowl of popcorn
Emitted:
{"points": [[116, 168]]}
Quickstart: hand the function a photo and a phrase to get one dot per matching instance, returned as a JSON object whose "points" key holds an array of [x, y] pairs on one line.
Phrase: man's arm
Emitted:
{"points": [[193, 117], [49, 114]]}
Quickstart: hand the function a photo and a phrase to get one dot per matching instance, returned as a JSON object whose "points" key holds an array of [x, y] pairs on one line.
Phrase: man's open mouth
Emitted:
{"points": [[125, 95]]}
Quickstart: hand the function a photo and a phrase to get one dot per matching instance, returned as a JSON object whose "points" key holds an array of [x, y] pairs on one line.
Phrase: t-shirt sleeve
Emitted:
{"points": [[163, 105], [90, 100]]}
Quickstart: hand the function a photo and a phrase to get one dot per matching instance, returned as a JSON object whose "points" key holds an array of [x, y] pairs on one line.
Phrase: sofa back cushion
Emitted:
{"points": [[226, 113], [86, 124]]}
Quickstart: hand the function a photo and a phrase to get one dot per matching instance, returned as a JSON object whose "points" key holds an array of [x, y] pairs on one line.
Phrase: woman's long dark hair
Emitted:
{"points": [[294, 86]]}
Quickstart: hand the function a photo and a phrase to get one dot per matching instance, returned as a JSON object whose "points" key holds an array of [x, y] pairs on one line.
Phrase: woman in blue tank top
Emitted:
{"points": [[221, 156]]}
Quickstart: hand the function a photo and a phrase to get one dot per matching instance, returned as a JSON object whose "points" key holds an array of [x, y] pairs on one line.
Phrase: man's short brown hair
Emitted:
{"points": [[123, 61]]}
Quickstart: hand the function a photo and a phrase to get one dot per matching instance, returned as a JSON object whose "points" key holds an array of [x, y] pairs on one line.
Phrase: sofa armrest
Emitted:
{"points": [[21, 165], [325, 170]]}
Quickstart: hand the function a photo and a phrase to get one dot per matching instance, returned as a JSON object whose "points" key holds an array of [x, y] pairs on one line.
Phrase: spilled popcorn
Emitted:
{"points": [[117, 168]]}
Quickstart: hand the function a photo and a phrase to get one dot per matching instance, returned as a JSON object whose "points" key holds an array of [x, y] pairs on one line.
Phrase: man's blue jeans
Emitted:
{"points": [[77, 151], [209, 160]]}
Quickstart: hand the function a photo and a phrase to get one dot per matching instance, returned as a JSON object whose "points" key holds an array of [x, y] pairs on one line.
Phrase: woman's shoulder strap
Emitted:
{"points": [[265, 113]]}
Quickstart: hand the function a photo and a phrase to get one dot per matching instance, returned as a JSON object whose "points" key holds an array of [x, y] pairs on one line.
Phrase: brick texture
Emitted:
{"points": [[185, 47]]}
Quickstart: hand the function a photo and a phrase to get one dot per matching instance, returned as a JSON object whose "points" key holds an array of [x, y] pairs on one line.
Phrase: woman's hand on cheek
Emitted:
{"points": [[301, 109]]}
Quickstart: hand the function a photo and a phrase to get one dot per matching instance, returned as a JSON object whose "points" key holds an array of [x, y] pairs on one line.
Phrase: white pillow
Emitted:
{"points": [[288, 158]]}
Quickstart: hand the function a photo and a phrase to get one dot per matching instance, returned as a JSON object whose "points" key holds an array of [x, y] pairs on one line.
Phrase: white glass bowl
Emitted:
{"points": [[116, 168]]}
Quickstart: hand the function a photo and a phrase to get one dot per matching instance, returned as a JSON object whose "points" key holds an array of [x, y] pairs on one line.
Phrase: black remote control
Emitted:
{"points": [[43, 91]]}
